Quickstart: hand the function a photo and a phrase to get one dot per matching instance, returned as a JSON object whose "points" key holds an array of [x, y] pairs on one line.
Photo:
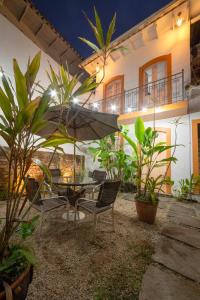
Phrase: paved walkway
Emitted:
{"points": [[175, 271]]}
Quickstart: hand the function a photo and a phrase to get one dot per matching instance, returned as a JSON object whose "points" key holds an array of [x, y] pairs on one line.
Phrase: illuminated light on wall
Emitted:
{"points": [[179, 20], [95, 105], [113, 107], [144, 109], [158, 109], [53, 93], [75, 100], [97, 68]]}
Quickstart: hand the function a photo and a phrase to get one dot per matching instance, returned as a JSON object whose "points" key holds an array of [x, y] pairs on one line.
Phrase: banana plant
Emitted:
{"points": [[22, 117], [146, 155]]}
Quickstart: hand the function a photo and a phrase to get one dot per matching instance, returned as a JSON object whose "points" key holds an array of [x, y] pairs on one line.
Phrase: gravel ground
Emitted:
{"points": [[72, 265]]}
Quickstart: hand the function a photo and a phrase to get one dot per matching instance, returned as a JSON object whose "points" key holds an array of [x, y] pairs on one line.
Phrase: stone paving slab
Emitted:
{"points": [[179, 257], [186, 221], [189, 236], [160, 284], [179, 209]]}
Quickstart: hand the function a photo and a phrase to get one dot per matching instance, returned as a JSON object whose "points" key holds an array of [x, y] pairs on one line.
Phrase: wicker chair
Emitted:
{"points": [[105, 201], [99, 177], [43, 205]]}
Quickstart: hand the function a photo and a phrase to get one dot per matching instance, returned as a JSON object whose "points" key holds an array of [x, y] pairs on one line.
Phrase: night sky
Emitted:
{"points": [[67, 16]]}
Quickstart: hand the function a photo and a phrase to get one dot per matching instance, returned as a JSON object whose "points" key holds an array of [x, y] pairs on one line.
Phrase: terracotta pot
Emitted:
{"points": [[20, 285], [146, 211]]}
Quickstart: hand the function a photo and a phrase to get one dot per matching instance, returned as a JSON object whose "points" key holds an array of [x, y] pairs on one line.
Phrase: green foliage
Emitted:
{"points": [[146, 156], [186, 187], [116, 162], [15, 262], [23, 116], [27, 228], [102, 45], [69, 87]]}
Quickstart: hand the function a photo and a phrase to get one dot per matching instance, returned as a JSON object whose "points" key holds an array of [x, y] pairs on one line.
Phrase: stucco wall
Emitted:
{"points": [[176, 42], [14, 44]]}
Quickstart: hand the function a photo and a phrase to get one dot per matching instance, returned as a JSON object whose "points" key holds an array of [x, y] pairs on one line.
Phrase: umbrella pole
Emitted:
{"points": [[74, 171]]}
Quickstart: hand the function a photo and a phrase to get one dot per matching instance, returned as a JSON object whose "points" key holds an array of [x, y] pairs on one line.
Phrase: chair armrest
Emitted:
{"points": [[85, 199], [55, 197], [96, 187]]}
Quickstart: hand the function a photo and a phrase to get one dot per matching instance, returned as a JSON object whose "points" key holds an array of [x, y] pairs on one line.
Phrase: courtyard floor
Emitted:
{"points": [[137, 261]]}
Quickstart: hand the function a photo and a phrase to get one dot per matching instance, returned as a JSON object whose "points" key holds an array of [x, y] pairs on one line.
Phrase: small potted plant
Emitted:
{"points": [[146, 152]]}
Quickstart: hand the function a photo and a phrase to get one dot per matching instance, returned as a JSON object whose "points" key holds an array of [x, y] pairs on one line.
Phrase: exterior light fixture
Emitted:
{"points": [[158, 110], [53, 93], [75, 100], [179, 20], [95, 105], [113, 107], [129, 109], [144, 109], [97, 68]]}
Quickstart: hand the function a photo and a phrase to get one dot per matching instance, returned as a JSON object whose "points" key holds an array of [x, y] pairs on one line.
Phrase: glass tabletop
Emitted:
{"points": [[69, 181]]}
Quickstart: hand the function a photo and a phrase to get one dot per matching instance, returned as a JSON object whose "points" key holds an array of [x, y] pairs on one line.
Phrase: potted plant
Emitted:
{"points": [[146, 153], [21, 119]]}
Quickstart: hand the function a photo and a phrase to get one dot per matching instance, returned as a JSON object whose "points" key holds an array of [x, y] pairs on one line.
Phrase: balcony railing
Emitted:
{"points": [[154, 94]]}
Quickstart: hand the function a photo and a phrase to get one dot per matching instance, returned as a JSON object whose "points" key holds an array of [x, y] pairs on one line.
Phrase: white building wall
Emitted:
{"points": [[176, 42], [184, 166], [14, 44]]}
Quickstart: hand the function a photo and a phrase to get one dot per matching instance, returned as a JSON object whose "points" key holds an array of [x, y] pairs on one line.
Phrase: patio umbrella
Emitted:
{"points": [[81, 123]]}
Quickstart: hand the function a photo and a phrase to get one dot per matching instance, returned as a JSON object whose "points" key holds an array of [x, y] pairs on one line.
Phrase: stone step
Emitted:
{"points": [[186, 221], [162, 284], [187, 235], [178, 257]]}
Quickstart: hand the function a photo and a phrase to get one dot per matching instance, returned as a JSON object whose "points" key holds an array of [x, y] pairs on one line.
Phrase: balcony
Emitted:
{"points": [[154, 94]]}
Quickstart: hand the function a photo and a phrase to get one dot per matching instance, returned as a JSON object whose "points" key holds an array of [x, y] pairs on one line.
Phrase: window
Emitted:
{"points": [[154, 83], [113, 95]]}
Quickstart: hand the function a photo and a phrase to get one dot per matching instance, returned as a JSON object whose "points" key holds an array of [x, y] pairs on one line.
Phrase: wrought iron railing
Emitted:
{"points": [[154, 94]]}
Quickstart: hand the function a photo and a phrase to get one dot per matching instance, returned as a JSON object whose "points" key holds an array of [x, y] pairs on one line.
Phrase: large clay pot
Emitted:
{"points": [[146, 211], [20, 286]]}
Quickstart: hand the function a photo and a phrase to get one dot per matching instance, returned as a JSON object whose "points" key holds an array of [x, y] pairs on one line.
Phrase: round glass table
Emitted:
{"points": [[70, 182]]}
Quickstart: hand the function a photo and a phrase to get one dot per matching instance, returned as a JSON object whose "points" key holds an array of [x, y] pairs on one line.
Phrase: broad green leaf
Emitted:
{"points": [[21, 88], [54, 142], [131, 143], [32, 70], [39, 125], [5, 105], [111, 30], [41, 109], [32, 106], [139, 130], [90, 44], [99, 27], [64, 76], [43, 167], [8, 90], [96, 32]]}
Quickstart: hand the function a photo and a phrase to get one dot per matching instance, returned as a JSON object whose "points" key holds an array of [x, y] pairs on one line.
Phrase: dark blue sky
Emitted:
{"points": [[67, 17]]}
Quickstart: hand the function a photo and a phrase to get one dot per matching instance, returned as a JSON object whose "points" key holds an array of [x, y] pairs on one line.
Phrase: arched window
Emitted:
{"points": [[155, 81], [114, 95]]}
